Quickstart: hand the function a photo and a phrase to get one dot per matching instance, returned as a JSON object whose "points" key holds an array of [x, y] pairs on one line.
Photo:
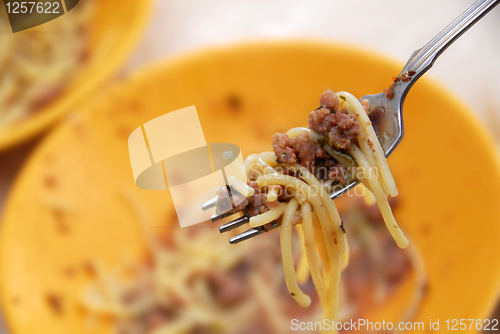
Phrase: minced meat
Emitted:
{"points": [[330, 120], [305, 152], [258, 203], [252, 206], [340, 127], [287, 149]]}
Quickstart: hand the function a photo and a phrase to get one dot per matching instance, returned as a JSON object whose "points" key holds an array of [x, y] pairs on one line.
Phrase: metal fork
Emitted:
{"points": [[389, 121]]}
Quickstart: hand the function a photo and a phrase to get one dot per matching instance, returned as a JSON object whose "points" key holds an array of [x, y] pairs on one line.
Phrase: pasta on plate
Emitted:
{"points": [[38, 64]]}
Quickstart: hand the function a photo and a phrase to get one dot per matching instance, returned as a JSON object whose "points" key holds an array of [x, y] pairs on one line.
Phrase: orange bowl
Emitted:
{"points": [[446, 169], [115, 30]]}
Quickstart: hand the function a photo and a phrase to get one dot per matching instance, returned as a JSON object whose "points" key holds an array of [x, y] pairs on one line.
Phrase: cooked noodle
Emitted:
{"points": [[36, 65]]}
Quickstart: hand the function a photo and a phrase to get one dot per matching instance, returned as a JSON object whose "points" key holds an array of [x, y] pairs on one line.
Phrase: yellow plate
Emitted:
{"points": [[68, 205], [115, 30]]}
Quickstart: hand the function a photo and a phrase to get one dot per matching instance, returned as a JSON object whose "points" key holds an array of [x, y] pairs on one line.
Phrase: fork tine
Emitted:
{"points": [[209, 204], [234, 224], [222, 215], [253, 232], [344, 189]]}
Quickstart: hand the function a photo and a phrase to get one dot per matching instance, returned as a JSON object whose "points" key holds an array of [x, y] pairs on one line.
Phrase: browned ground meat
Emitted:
{"points": [[287, 149], [258, 203], [329, 100], [338, 173], [226, 288], [253, 205], [330, 120], [283, 148], [308, 154], [339, 126], [389, 92]]}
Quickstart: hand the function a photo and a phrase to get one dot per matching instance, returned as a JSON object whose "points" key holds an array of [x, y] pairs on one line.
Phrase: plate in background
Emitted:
{"points": [[115, 31]]}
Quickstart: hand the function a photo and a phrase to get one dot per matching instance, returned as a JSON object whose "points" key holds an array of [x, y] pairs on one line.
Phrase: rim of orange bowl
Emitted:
{"points": [[484, 136], [29, 129]]}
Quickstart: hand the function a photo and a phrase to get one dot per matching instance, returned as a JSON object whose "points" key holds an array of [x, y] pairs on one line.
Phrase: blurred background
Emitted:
{"points": [[470, 68]]}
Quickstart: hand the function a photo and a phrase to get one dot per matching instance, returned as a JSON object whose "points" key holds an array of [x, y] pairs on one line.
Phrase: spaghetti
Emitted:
{"points": [[37, 65], [194, 283], [339, 146]]}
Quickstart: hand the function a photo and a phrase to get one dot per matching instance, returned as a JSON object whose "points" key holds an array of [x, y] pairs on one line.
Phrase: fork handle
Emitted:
{"points": [[423, 59]]}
